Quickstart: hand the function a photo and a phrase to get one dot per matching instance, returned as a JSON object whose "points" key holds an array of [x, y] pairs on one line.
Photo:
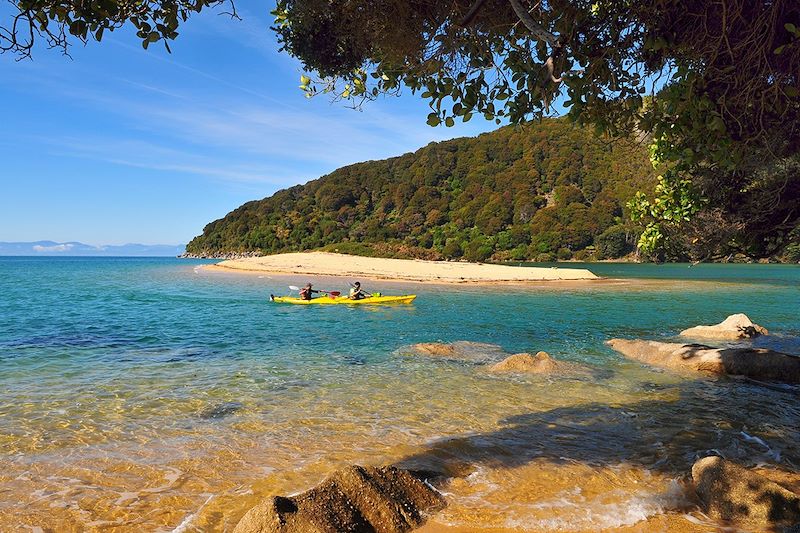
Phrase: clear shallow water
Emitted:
{"points": [[149, 394]]}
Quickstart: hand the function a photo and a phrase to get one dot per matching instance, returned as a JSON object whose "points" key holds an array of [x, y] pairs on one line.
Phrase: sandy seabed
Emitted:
{"points": [[331, 264]]}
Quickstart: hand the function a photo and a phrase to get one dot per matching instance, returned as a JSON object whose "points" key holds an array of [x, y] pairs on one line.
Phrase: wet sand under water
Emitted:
{"points": [[543, 455]]}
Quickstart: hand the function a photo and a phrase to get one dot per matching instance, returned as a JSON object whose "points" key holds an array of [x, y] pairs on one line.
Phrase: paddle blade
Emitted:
{"points": [[292, 287], [335, 293]]}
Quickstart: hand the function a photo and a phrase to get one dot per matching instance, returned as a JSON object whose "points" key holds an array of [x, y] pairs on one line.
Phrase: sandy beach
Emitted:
{"points": [[331, 264]]}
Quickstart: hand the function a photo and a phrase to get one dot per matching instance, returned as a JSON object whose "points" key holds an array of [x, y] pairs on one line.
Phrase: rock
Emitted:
{"points": [[755, 363], [221, 410], [478, 352], [355, 499], [732, 493], [734, 327], [434, 348], [541, 363]]}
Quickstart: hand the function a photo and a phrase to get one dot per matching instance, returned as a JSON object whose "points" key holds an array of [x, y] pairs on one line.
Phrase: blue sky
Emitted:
{"points": [[119, 144]]}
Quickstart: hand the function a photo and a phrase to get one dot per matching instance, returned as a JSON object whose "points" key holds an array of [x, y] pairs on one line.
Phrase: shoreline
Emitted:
{"points": [[407, 270]]}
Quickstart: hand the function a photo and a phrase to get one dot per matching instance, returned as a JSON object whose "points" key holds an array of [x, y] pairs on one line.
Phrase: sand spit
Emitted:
{"points": [[330, 264]]}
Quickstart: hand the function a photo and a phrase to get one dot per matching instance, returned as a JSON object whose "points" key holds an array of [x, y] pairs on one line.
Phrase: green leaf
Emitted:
{"points": [[434, 120], [449, 122], [717, 124]]}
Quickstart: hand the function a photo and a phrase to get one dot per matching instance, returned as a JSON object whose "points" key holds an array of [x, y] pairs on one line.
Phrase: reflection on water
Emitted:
{"points": [[183, 409]]}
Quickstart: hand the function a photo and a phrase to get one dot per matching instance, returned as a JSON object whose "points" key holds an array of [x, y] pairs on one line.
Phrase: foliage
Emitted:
{"points": [[613, 243], [793, 252], [756, 217], [728, 69], [675, 201], [56, 20], [478, 198]]}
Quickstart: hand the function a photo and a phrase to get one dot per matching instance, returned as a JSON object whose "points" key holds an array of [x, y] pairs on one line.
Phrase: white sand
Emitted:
{"points": [[329, 264]]}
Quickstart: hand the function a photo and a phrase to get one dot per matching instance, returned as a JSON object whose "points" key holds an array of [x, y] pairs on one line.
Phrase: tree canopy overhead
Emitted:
{"points": [[729, 69]]}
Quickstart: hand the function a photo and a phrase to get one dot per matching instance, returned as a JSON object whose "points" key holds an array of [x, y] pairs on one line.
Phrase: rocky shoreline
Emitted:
{"points": [[393, 500], [220, 255]]}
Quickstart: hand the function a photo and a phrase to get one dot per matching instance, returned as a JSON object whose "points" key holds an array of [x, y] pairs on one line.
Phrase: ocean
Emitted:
{"points": [[152, 395]]}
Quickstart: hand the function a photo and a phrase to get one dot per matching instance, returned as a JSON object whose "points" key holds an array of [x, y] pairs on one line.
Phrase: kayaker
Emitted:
{"points": [[306, 292], [357, 293]]}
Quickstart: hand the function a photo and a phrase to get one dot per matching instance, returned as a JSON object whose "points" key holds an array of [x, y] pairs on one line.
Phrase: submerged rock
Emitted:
{"points": [[478, 352], [355, 499], [731, 492], [434, 348], [755, 363], [734, 327], [221, 410], [541, 363]]}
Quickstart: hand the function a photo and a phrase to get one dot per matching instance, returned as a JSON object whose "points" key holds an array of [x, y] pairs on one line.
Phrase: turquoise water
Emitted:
{"points": [[126, 375]]}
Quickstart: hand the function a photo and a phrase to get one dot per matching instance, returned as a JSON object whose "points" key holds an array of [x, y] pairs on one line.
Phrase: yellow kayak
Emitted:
{"points": [[331, 300]]}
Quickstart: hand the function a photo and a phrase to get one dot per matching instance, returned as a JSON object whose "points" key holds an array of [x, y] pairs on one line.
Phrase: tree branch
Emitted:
{"points": [[534, 27], [472, 12]]}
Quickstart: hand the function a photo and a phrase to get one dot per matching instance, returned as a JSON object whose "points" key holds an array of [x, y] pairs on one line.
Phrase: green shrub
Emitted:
{"points": [[564, 254], [351, 248], [452, 250], [478, 251], [543, 258], [519, 253], [792, 252], [613, 243]]}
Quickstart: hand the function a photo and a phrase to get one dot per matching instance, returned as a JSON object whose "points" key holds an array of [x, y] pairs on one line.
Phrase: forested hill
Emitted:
{"points": [[542, 191]]}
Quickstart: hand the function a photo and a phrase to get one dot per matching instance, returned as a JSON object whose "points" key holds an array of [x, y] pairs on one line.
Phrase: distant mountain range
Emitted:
{"points": [[52, 248]]}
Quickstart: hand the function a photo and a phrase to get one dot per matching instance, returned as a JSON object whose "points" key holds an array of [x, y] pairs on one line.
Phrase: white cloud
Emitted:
{"points": [[50, 249], [148, 155]]}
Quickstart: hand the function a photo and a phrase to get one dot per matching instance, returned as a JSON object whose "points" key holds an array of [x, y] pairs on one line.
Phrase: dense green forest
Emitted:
{"points": [[540, 192]]}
